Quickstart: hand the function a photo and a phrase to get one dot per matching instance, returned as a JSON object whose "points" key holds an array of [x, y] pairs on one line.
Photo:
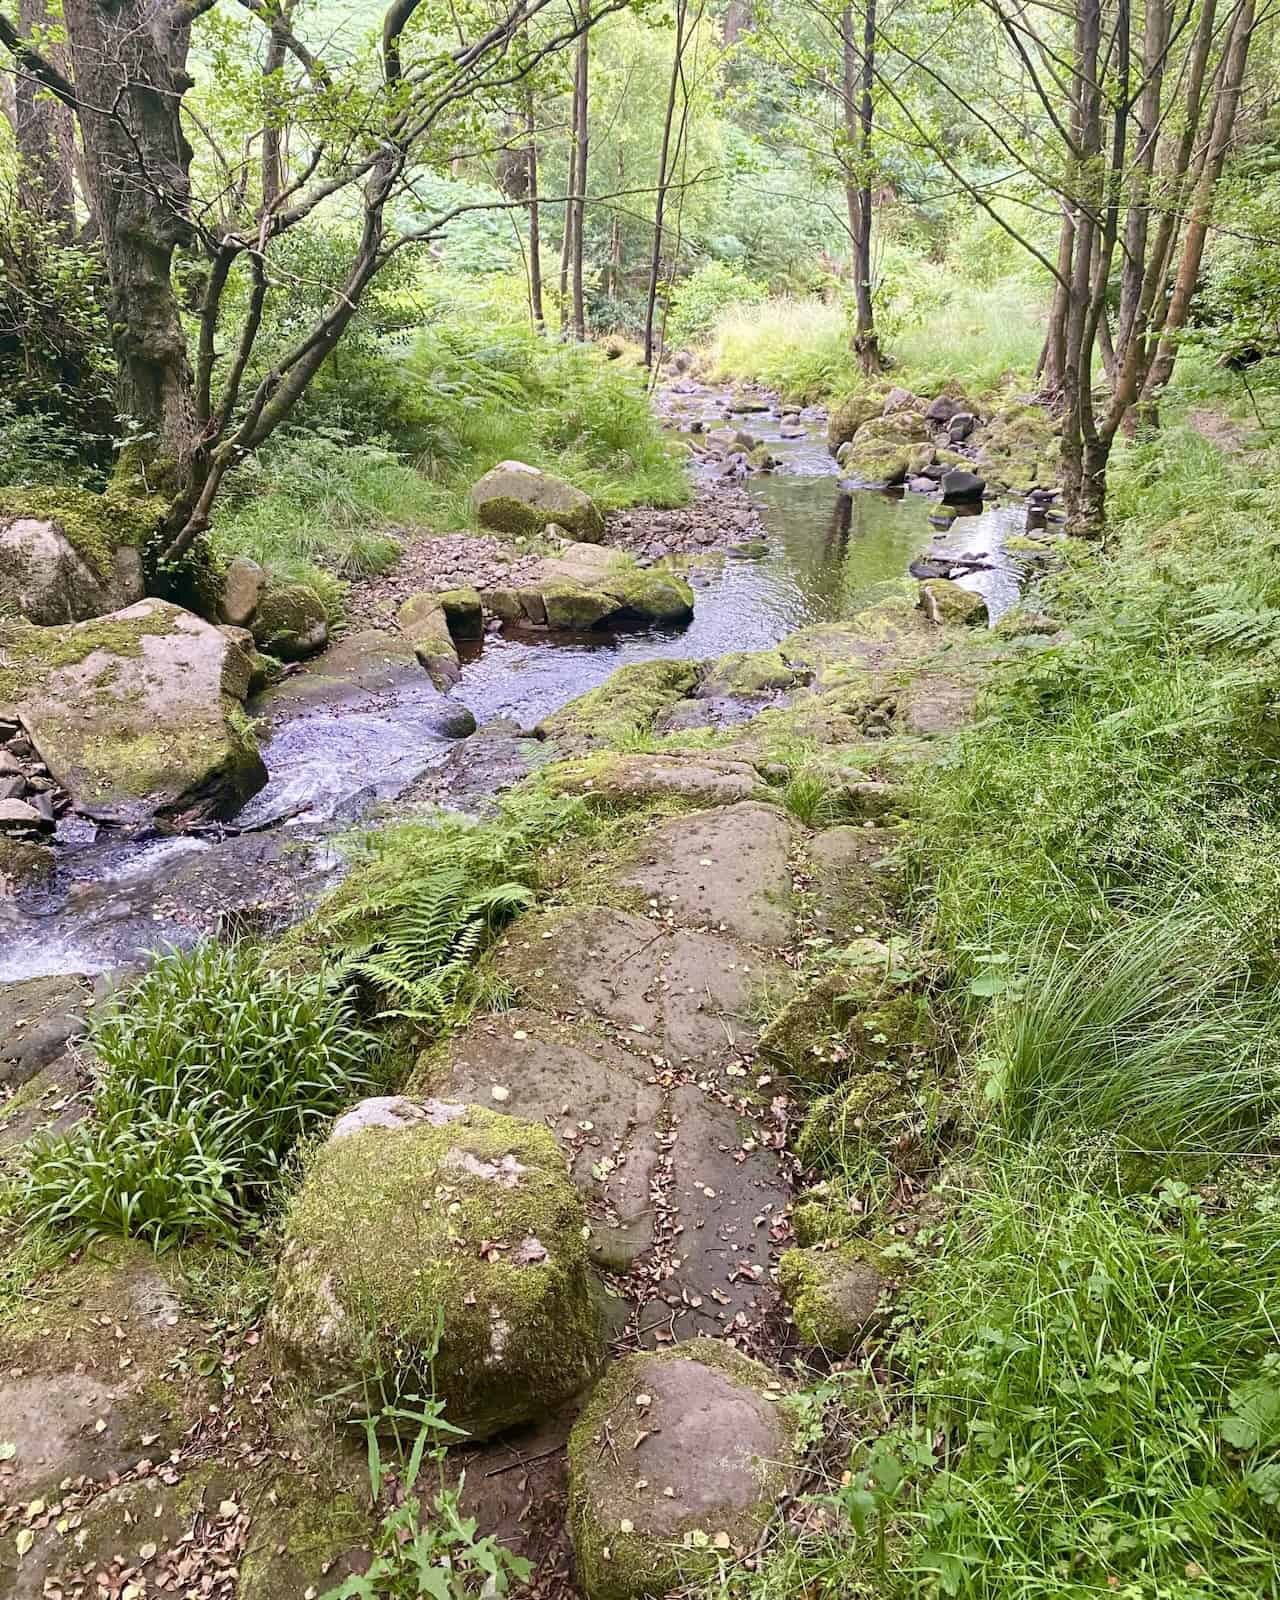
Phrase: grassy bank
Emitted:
{"points": [[1080, 1392], [390, 441]]}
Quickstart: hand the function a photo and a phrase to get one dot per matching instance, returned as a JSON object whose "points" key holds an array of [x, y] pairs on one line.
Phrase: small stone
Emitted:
{"points": [[18, 814]]}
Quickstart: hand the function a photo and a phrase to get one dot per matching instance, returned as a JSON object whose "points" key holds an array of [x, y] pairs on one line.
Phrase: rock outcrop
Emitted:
{"points": [[456, 1228], [67, 555], [586, 586], [515, 498], [290, 622], [137, 714]]}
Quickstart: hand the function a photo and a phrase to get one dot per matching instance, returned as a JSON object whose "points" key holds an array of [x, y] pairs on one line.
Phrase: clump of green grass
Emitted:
{"points": [[208, 1074], [797, 346]]}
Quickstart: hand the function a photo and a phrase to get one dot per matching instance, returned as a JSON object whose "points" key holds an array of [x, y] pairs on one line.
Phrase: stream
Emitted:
{"points": [[826, 553]]}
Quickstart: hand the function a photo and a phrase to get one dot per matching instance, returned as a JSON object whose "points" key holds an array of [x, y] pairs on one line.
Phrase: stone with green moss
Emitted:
{"points": [[463, 1229], [850, 413], [942, 600], [676, 1465], [516, 498], [290, 622], [571, 605], [136, 714], [827, 1215], [423, 622], [836, 1296], [750, 672], [888, 449], [67, 555], [464, 612], [626, 704], [870, 1121]]}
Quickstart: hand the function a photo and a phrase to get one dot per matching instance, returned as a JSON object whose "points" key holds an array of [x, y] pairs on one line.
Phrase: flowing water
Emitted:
{"points": [[826, 553]]}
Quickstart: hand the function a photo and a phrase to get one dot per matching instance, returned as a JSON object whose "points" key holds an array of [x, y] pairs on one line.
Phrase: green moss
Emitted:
{"points": [[826, 1216], [870, 1124], [850, 413], [300, 1528], [747, 672], [395, 1235], [28, 653], [628, 703], [95, 525], [834, 1295], [651, 592], [22, 863]]}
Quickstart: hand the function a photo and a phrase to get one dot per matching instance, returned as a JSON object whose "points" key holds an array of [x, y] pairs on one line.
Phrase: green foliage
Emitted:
{"points": [[423, 1549], [424, 898], [1102, 1376], [705, 295], [209, 1073]]}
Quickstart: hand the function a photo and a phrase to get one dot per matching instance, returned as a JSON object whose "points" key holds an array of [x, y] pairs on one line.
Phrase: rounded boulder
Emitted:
{"points": [[448, 1223], [674, 1466]]}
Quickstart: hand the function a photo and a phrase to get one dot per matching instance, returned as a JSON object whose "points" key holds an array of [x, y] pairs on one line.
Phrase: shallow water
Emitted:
{"points": [[827, 553]]}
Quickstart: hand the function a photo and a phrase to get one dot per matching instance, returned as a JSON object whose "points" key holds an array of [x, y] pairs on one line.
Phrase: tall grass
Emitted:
{"points": [[938, 332]]}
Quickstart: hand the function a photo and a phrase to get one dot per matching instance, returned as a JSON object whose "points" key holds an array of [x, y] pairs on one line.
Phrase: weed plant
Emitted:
{"points": [[208, 1074]]}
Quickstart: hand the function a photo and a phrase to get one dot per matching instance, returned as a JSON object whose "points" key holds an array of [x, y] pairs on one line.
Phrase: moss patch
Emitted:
{"points": [[27, 653], [94, 525], [834, 1295], [398, 1234], [629, 703]]}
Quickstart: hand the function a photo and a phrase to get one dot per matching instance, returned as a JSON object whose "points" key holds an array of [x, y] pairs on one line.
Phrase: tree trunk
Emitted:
{"points": [[535, 221], [130, 63], [581, 118], [44, 137], [615, 236], [570, 212], [664, 181], [858, 78]]}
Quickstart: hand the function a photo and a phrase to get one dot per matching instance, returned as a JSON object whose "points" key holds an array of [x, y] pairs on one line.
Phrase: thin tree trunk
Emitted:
{"points": [[615, 236], [535, 221], [664, 181], [858, 79], [43, 134], [570, 211], [582, 121]]}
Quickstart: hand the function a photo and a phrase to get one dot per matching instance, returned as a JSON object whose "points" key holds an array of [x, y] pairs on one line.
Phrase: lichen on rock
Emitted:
{"points": [[463, 1230]]}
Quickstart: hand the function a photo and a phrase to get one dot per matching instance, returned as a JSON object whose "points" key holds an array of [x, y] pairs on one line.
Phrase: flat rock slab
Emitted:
{"points": [[854, 878], [937, 704], [603, 1103], [634, 779], [728, 869], [683, 994], [38, 1018]]}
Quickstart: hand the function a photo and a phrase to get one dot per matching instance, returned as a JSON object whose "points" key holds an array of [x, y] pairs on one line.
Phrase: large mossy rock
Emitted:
{"points": [[944, 601], [1019, 448], [675, 1465], [290, 622], [137, 714], [461, 1224], [887, 449], [67, 555], [750, 672], [587, 586], [515, 498], [849, 414]]}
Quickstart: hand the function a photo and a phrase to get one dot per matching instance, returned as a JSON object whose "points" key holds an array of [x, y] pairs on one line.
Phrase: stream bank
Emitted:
{"points": [[675, 1028]]}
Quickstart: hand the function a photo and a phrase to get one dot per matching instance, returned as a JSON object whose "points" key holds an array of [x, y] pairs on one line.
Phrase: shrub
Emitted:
{"points": [[208, 1074], [702, 298]]}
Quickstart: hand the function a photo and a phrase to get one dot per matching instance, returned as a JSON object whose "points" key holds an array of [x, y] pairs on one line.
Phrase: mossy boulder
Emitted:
{"points": [[649, 594], [943, 601], [750, 672], [290, 622], [243, 585], [587, 586], [847, 415], [627, 703], [462, 1227], [836, 1296], [67, 555], [424, 622], [23, 864], [137, 714], [849, 1020], [676, 1465], [888, 449], [870, 1124], [515, 498], [571, 605], [464, 612]]}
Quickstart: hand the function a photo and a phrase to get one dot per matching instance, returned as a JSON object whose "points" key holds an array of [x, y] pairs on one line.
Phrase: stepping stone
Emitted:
{"points": [[676, 1465], [729, 869], [938, 705], [596, 1098], [723, 1206], [674, 992], [854, 878], [625, 779]]}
